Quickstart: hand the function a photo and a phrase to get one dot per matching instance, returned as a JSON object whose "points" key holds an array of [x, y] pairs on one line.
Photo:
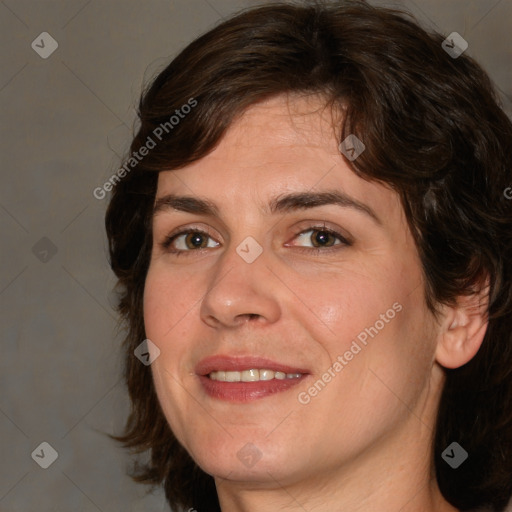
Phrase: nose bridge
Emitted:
{"points": [[240, 286]]}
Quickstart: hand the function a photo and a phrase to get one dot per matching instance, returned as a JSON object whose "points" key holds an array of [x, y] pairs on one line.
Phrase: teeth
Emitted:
{"points": [[252, 375], [266, 374], [232, 376]]}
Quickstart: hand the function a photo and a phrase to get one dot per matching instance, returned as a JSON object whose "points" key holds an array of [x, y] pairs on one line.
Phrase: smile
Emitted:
{"points": [[253, 375], [246, 378]]}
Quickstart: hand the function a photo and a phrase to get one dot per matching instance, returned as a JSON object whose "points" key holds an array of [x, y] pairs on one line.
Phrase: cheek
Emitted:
{"points": [[395, 366], [154, 302], [165, 320], [385, 366], [168, 299], [343, 305], [164, 308], [378, 321]]}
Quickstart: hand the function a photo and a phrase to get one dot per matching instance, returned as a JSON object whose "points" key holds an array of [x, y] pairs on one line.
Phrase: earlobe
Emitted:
{"points": [[463, 329]]}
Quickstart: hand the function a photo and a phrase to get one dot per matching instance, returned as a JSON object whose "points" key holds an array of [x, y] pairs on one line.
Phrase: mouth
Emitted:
{"points": [[243, 379], [252, 375]]}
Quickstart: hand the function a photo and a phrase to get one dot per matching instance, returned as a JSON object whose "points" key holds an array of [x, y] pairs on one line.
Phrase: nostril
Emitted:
{"points": [[248, 316]]}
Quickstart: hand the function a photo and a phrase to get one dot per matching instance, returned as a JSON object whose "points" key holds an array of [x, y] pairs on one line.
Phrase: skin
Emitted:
{"points": [[364, 441]]}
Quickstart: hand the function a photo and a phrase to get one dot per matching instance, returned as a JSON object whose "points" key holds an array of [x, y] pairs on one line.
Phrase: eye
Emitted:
{"points": [[322, 237], [187, 241], [192, 240]]}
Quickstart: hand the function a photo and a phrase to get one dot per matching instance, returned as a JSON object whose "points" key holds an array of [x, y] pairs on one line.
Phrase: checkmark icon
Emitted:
{"points": [[249, 250], [454, 455], [146, 352], [44, 45], [352, 147], [454, 45], [45, 455], [249, 455], [44, 250]]}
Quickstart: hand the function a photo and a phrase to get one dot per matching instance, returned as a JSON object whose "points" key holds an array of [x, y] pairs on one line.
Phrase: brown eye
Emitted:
{"points": [[188, 241], [322, 237], [196, 240]]}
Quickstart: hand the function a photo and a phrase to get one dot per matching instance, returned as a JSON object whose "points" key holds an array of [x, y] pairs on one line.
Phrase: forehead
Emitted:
{"points": [[272, 131], [283, 145]]}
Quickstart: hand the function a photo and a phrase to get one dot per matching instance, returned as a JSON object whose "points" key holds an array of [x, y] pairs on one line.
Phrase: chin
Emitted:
{"points": [[260, 460]]}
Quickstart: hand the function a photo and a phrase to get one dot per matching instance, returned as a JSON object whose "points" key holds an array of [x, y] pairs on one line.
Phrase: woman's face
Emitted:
{"points": [[272, 273]]}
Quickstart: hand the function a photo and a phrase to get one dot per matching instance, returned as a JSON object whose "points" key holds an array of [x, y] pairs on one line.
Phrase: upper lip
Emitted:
{"points": [[241, 363]]}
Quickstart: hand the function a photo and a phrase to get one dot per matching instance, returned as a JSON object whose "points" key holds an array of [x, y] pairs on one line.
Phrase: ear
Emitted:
{"points": [[463, 328]]}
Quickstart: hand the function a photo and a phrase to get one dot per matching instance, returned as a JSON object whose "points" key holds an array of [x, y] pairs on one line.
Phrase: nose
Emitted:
{"points": [[240, 292]]}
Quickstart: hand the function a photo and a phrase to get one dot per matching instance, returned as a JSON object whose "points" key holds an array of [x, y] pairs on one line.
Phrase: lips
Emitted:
{"points": [[242, 363], [284, 377]]}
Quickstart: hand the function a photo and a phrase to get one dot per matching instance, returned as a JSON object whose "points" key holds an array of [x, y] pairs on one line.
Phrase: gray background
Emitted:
{"points": [[66, 120]]}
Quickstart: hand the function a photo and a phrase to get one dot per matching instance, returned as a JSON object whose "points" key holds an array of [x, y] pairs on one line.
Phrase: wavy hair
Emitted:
{"points": [[434, 131]]}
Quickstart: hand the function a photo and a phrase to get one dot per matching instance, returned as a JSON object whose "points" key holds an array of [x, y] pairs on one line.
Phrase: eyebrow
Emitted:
{"points": [[280, 204]]}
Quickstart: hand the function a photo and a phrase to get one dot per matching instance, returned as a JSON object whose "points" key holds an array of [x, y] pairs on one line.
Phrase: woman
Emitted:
{"points": [[313, 245]]}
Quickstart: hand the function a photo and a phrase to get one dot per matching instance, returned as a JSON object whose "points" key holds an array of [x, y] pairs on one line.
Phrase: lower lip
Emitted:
{"points": [[246, 391]]}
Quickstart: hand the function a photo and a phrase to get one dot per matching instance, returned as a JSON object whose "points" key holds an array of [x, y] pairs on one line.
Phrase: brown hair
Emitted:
{"points": [[433, 131]]}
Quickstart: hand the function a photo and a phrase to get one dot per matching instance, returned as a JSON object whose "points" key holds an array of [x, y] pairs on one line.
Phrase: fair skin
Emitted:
{"points": [[364, 441]]}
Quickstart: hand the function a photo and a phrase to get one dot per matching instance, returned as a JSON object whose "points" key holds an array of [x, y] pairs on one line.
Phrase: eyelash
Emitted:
{"points": [[166, 244]]}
